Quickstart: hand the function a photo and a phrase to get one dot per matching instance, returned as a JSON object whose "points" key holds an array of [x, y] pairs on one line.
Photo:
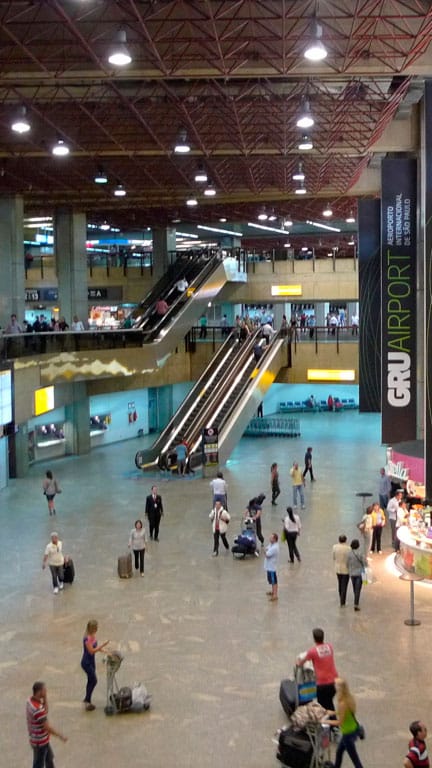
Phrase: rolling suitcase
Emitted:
{"points": [[295, 749], [124, 566], [68, 570], [288, 696]]}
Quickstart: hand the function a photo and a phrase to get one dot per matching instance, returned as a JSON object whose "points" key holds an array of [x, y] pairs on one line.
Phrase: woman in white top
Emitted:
{"points": [[137, 542], [219, 489], [292, 525], [53, 557], [365, 527]]}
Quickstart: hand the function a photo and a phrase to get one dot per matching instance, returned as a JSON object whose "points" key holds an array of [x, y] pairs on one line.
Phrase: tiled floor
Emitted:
{"points": [[199, 631]]}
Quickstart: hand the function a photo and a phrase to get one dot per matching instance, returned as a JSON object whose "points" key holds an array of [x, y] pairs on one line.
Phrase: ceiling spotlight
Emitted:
{"points": [[100, 177], [20, 123], [305, 143], [262, 216], [305, 119], [301, 190], [287, 245], [120, 191], [272, 216], [351, 241], [191, 202], [327, 212], [60, 149], [182, 146], [222, 219], [210, 190], [105, 226], [299, 174], [120, 56], [287, 223], [304, 248], [350, 219], [316, 51], [201, 175]]}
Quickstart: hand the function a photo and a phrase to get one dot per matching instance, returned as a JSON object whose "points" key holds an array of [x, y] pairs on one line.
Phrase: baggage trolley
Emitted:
{"points": [[319, 737], [123, 699]]}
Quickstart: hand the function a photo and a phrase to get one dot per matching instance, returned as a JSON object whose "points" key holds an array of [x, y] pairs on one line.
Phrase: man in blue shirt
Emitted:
{"points": [[270, 565], [384, 489]]}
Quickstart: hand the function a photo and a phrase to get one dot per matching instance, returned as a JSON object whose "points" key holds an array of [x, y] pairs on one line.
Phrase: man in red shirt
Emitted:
{"points": [[39, 728], [321, 655], [417, 756]]}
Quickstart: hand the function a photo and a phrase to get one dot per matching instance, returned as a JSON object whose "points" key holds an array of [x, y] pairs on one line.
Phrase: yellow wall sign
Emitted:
{"points": [[286, 290], [43, 400], [330, 374]]}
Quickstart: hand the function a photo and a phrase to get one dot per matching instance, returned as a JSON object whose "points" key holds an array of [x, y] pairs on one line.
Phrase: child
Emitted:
{"points": [[270, 565]]}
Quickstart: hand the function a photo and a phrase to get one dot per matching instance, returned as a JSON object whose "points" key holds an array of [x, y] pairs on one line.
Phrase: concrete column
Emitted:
{"points": [[77, 421], [70, 234], [320, 314], [21, 451], [12, 283], [164, 245]]}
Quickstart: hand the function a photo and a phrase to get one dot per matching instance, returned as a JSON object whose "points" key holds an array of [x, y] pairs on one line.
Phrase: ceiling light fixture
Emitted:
{"points": [[60, 149], [105, 226], [350, 219], [120, 191], [220, 231], [272, 216], [305, 119], [210, 190], [351, 241], [100, 177], [320, 225], [305, 143], [262, 216], [191, 202], [327, 212], [267, 229], [182, 146], [20, 123], [300, 190], [287, 223], [316, 51], [201, 175], [299, 173], [222, 219], [120, 56]]}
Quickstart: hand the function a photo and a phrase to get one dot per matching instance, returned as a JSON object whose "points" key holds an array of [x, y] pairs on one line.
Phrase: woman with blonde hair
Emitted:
{"points": [[88, 661], [347, 722]]}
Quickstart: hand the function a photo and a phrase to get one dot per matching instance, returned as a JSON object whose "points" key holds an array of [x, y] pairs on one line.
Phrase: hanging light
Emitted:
{"points": [[210, 190], [105, 226], [20, 123], [316, 51], [327, 212], [182, 146], [262, 216], [201, 175], [299, 173], [301, 189], [305, 143], [272, 215], [350, 219], [191, 202], [120, 56], [287, 223], [305, 119], [100, 177], [120, 191], [222, 219], [60, 149]]}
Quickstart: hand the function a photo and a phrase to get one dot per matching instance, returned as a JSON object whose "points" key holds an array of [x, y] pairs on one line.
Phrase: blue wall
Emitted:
{"points": [[283, 392]]}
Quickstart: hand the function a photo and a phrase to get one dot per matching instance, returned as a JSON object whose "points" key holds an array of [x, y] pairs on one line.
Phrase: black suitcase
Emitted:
{"points": [[288, 696], [68, 571], [295, 749], [123, 699], [238, 550]]}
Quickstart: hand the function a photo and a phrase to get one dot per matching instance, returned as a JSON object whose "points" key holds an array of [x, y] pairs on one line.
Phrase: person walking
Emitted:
{"points": [[219, 489], [347, 722], [181, 453], [54, 558], [137, 542], [274, 482], [417, 756], [378, 523], [270, 566], [292, 527], [308, 462], [384, 489], [203, 322], [254, 511], [50, 488], [341, 551], [297, 485], [322, 657], [220, 519], [154, 512], [88, 661], [39, 728], [356, 564], [365, 527]]}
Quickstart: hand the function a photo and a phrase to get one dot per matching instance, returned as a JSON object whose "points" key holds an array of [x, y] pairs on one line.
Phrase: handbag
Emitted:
{"points": [[361, 733], [283, 535]]}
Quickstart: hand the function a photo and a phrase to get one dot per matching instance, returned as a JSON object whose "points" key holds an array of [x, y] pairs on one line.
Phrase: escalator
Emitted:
{"points": [[224, 397]]}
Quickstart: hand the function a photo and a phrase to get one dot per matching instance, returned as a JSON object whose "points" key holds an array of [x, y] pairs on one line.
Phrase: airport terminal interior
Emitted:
{"points": [[199, 631]]}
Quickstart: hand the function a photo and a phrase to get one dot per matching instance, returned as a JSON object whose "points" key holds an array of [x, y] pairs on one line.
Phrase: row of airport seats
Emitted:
{"points": [[273, 426], [297, 406]]}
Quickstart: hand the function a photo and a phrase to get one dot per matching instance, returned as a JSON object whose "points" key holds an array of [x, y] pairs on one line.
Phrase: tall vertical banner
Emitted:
{"points": [[427, 289], [398, 299], [369, 264]]}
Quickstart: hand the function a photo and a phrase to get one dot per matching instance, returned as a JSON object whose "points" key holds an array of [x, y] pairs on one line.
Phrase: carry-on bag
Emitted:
{"points": [[295, 749], [124, 566], [306, 683], [68, 570], [288, 696]]}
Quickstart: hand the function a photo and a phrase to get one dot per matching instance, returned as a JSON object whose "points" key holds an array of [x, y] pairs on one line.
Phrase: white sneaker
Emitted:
{"points": [[61, 585], [257, 553], [55, 590]]}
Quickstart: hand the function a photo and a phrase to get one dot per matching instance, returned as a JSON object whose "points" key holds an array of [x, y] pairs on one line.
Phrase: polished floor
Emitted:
{"points": [[199, 631]]}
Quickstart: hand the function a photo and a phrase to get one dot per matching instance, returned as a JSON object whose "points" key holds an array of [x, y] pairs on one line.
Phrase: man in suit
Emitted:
{"points": [[154, 512]]}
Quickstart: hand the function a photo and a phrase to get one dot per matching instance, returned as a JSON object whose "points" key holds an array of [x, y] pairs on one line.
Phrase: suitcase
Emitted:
{"points": [[288, 696], [295, 749], [239, 550], [124, 566], [68, 570], [123, 699]]}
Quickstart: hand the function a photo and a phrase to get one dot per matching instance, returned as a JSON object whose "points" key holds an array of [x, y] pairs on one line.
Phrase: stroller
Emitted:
{"points": [[136, 699], [246, 542]]}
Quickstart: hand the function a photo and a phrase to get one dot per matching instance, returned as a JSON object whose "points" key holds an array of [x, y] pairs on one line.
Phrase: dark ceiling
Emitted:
{"points": [[233, 76]]}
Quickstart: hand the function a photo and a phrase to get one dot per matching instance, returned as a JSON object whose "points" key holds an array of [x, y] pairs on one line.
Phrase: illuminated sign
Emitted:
{"points": [[286, 290], [43, 400], [330, 374], [5, 397]]}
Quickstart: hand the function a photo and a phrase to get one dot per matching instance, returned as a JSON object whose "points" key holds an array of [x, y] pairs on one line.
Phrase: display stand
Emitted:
{"points": [[412, 578]]}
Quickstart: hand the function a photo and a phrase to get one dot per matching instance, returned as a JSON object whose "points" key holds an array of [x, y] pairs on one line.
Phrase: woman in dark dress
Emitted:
{"points": [[88, 661]]}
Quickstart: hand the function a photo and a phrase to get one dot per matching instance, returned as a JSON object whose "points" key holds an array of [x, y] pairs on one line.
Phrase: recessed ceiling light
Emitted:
{"points": [[120, 56], [60, 149], [120, 191], [20, 123]]}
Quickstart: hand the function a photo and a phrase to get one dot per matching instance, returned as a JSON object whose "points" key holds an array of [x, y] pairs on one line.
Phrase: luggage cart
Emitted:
{"points": [[319, 737], [123, 699]]}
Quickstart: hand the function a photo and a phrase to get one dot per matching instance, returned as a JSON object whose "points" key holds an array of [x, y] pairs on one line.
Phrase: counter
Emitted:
{"points": [[416, 552]]}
